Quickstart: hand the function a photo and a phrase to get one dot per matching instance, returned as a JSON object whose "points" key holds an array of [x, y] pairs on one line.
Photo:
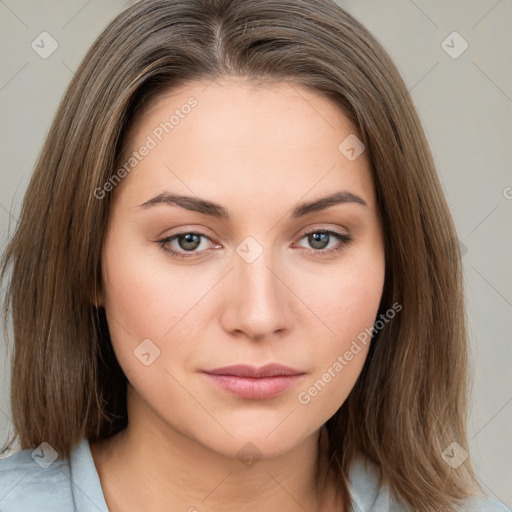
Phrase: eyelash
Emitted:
{"points": [[342, 238]]}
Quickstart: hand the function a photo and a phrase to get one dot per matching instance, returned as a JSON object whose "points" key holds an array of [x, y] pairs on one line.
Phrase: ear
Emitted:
{"points": [[97, 298], [97, 302]]}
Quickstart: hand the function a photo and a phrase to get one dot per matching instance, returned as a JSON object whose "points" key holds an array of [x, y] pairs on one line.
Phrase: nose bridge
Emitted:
{"points": [[256, 278], [258, 303]]}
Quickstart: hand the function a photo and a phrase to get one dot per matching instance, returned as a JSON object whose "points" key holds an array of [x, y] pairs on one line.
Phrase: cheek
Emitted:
{"points": [[346, 300], [150, 298], [146, 295], [358, 299], [345, 296]]}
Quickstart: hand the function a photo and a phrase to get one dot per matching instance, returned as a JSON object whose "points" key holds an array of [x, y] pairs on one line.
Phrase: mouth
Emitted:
{"points": [[254, 383]]}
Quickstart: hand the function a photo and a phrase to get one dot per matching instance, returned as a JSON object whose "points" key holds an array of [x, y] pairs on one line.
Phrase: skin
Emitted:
{"points": [[258, 151]]}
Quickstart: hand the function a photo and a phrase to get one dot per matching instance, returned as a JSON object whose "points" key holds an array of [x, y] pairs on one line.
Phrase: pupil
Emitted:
{"points": [[319, 238], [190, 238]]}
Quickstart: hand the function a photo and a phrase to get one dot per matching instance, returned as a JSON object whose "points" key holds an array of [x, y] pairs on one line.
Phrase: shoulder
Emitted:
{"points": [[483, 504], [34, 480], [368, 494]]}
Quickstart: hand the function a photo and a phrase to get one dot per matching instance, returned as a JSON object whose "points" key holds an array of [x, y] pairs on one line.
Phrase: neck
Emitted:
{"points": [[151, 466]]}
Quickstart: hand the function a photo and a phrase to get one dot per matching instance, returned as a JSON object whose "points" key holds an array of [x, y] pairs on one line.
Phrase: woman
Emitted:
{"points": [[235, 279]]}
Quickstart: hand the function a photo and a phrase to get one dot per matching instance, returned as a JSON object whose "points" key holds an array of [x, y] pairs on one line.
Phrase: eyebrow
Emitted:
{"points": [[218, 211]]}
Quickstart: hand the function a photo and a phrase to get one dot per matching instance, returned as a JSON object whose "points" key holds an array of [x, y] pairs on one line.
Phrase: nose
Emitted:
{"points": [[258, 305]]}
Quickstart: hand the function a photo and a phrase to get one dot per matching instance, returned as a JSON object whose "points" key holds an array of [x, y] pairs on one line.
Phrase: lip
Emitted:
{"points": [[246, 370], [254, 383]]}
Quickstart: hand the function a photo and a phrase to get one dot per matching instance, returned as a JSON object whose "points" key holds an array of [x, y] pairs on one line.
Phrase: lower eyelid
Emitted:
{"points": [[343, 240], [172, 238]]}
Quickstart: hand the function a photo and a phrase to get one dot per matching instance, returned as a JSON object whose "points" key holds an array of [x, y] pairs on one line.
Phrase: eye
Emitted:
{"points": [[187, 241], [190, 241], [320, 238]]}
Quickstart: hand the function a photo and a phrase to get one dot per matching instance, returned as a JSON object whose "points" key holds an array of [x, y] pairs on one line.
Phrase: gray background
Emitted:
{"points": [[465, 104]]}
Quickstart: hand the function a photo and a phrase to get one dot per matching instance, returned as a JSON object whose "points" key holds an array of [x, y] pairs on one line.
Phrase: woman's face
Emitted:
{"points": [[270, 274]]}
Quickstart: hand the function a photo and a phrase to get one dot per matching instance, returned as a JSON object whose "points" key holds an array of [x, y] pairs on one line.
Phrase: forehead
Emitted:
{"points": [[280, 136], [245, 105]]}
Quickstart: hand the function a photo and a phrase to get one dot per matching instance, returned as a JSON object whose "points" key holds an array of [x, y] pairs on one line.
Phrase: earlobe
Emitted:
{"points": [[97, 303], [97, 299]]}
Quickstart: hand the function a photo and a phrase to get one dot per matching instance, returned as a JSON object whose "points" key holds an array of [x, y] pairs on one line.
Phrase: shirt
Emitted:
{"points": [[36, 481]]}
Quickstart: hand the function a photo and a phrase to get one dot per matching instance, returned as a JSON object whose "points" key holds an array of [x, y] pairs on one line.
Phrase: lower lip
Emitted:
{"points": [[254, 388]]}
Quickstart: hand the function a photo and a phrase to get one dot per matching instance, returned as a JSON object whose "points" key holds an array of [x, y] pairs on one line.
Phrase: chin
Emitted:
{"points": [[260, 440]]}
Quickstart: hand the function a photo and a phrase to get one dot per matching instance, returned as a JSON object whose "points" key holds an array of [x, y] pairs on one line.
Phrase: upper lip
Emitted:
{"points": [[245, 370]]}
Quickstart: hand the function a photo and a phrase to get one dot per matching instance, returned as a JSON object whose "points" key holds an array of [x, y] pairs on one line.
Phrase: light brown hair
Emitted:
{"points": [[409, 403]]}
